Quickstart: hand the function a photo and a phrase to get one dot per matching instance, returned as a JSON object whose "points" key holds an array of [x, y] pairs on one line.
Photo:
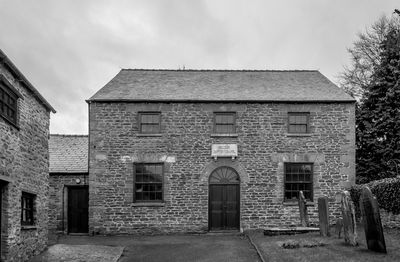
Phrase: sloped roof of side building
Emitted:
{"points": [[68, 153], [147, 85]]}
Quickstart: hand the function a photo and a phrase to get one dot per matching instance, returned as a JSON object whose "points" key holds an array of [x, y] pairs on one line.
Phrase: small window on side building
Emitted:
{"points": [[27, 209], [148, 179], [150, 122], [224, 122], [298, 123], [8, 103], [298, 177]]}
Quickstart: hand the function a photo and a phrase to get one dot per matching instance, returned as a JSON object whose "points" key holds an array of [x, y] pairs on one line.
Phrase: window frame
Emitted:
{"points": [[286, 164], [234, 114], [306, 114], [140, 114], [30, 209], [8, 90], [135, 200]]}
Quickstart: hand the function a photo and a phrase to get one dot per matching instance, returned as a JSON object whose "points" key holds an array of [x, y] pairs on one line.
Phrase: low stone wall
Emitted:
{"points": [[389, 219]]}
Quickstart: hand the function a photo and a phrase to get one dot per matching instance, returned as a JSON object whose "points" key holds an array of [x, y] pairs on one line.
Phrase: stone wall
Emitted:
{"points": [[264, 145], [389, 219], [24, 163], [58, 202]]}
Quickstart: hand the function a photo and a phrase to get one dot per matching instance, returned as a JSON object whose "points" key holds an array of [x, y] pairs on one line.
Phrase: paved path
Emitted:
{"points": [[87, 253], [202, 248]]}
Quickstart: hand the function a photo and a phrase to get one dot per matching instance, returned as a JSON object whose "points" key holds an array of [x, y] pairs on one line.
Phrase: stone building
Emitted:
{"points": [[199, 150], [68, 184], [24, 165]]}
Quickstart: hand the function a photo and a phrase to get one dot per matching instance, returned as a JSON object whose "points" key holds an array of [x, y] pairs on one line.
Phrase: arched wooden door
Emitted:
{"points": [[224, 199]]}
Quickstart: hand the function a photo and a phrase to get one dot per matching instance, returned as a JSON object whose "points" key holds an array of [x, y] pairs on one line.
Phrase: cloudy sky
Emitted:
{"points": [[69, 49]]}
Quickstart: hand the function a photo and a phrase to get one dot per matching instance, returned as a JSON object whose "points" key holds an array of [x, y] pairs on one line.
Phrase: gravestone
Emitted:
{"points": [[339, 226], [372, 221], [323, 213], [303, 210], [349, 219]]}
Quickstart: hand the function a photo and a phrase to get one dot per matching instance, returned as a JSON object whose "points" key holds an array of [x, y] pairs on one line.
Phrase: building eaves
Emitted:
{"points": [[15, 71]]}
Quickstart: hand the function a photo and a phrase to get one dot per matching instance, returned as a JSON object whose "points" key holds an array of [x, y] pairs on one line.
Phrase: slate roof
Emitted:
{"points": [[220, 85], [68, 153]]}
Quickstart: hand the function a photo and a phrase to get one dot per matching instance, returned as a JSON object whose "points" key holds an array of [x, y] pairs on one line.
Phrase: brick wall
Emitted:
{"points": [[184, 147], [58, 202], [24, 160]]}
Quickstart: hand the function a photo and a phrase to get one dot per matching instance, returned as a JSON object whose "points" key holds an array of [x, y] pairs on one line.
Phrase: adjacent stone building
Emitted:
{"points": [[24, 165], [68, 184], [200, 150]]}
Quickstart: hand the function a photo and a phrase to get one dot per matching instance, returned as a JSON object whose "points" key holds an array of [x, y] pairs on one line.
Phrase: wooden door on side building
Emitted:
{"points": [[78, 215], [224, 200]]}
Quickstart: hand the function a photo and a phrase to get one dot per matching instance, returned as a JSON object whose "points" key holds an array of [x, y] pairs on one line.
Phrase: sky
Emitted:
{"points": [[69, 49]]}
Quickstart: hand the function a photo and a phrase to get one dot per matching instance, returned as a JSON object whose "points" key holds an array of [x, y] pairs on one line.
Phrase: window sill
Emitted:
{"points": [[295, 203], [28, 227], [149, 135], [14, 125], [224, 135], [299, 134], [149, 204]]}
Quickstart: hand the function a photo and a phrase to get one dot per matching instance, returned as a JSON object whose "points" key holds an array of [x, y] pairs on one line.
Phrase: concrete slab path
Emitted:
{"points": [[78, 253], [202, 248]]}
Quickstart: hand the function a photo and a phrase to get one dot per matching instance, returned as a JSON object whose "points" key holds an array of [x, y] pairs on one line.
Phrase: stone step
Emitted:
{"points": [[276, 231]]}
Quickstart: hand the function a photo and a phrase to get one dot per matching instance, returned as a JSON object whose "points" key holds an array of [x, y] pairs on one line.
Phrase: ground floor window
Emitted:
{"points": [[298, 177], [148, 180], [27, 206]]}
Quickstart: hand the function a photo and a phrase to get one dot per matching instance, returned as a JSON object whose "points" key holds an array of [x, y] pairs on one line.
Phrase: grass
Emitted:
{"points": [[312, 247]]}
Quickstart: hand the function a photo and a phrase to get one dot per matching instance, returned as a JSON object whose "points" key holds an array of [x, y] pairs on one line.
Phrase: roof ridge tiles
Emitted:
{"points": [[220, 70]]}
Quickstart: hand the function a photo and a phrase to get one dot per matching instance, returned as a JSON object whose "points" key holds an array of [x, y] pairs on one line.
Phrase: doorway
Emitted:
{"points": [[78, 200], [224, 199]]}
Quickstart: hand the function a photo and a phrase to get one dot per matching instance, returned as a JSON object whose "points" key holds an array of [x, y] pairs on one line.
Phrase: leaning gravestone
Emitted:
{"points": [[372, 221], [303, 210], [323, 213], [349, 219]]}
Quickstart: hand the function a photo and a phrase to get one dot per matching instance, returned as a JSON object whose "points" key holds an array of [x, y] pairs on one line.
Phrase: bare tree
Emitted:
{"points": [[365, 56]]}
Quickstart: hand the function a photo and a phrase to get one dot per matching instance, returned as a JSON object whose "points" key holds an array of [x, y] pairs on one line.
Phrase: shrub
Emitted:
{"points": [[386, 191]]}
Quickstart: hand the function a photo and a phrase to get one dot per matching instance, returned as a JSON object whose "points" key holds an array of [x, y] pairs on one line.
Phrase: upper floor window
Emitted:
{"points": [[27, 212], [150, 122], [224, 122], [298, 177], [299, 123], [148, 182], [8, 103]]}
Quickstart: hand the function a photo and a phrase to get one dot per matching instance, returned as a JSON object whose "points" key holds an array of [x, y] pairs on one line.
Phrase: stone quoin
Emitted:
{"points": [[153, 167]]}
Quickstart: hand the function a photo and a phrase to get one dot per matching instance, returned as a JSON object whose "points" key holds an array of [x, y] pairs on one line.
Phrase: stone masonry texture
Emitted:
{"points": [[24, 160], [58, 203], [184, 147]]}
